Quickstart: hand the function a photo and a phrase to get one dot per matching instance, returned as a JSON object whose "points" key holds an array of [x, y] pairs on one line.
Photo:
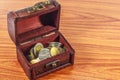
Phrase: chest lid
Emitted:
{"points": [[38, 20]]}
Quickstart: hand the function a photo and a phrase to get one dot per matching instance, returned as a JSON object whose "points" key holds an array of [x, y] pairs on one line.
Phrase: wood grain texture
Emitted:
{"points": [[91, 26]]}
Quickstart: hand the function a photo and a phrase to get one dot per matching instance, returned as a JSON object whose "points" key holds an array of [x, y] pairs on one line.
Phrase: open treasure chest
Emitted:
{"points": [[41, 48]]}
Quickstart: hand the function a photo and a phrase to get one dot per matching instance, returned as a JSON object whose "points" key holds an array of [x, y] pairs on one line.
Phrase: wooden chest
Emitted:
{"points": [[39, 23]]}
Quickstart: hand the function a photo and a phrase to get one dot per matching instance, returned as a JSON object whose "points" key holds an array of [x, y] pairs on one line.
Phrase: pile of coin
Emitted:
{"points": [[39, 52]]}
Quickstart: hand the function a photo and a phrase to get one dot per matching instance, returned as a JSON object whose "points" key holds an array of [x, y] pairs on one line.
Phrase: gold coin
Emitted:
{"points": [[32, 56], [29, 57], [54, 51], [47, 2], [34, 61], [37, 48]]}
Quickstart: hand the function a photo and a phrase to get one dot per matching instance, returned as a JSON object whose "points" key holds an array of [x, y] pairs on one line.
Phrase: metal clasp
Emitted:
{"points": [[38, 6], [52, 64]]}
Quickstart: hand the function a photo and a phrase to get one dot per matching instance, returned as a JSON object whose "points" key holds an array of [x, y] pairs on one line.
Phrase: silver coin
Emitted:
{"points": [[55, 44], [44, 54]]}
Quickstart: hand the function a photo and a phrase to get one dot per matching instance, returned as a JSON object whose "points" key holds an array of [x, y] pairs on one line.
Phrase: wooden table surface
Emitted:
{"points": [[91, 26]]}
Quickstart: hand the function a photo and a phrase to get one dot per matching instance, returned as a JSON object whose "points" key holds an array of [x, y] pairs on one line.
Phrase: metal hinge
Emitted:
{"points": [[38, 6]]}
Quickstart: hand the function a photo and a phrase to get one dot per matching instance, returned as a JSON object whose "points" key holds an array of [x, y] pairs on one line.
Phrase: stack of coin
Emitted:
{"points": [[39, 53], [34, 51], [55, 44], [56, 48]]}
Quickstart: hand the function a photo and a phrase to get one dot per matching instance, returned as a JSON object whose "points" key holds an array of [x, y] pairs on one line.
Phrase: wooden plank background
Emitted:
{"points": [[91, 26]]}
